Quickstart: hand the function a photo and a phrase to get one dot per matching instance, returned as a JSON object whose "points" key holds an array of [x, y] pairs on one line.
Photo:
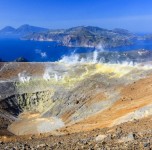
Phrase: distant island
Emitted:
{"points": [[85, 37], [81, 36], [22, 31]]}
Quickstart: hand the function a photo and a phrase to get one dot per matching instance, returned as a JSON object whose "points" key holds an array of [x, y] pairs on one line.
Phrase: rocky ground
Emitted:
{"points": [[132, 135], [100, 106]]}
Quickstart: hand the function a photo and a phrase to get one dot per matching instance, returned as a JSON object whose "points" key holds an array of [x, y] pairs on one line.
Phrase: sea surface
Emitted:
{"points": [[36, 51]]}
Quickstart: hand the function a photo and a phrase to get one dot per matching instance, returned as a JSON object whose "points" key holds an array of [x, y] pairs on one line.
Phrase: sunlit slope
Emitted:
{"points": [[135, 102]]}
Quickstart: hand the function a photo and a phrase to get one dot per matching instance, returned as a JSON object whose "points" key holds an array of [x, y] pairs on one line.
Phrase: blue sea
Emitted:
{"points": [[36, 51]]}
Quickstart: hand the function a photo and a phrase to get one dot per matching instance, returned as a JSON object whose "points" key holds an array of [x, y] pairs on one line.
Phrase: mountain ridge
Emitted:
{"points": [[85, 36], [79, 36], [22, 30]]}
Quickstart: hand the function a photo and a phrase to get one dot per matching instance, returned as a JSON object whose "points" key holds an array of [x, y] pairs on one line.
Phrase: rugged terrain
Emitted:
{"points": [[75, 106], [80, 36], [86, 37]]}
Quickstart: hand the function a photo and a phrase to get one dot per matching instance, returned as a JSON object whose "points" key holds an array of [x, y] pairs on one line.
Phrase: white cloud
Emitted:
{"points": [[41, 53]]}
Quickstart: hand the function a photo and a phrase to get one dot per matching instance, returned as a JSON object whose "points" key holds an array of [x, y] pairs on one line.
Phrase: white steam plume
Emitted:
{"points": [[41, 53]]}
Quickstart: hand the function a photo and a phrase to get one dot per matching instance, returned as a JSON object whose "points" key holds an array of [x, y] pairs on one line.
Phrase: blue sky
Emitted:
{"points": [[134, 15]]}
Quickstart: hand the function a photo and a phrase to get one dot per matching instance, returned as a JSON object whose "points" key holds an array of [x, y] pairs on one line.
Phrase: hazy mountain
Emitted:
{"points": [[7, 31], [21, 31], [26, 29]]}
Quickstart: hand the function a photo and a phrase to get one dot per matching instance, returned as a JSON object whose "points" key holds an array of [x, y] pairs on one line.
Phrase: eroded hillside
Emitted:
{"points": [[42, 97]]}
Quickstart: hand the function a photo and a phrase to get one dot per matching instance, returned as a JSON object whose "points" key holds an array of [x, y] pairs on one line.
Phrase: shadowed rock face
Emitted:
{"points": [[70, 93]]}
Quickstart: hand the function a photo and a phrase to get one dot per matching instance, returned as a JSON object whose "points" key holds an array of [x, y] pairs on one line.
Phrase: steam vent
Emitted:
{"points": [[60, 98]]}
